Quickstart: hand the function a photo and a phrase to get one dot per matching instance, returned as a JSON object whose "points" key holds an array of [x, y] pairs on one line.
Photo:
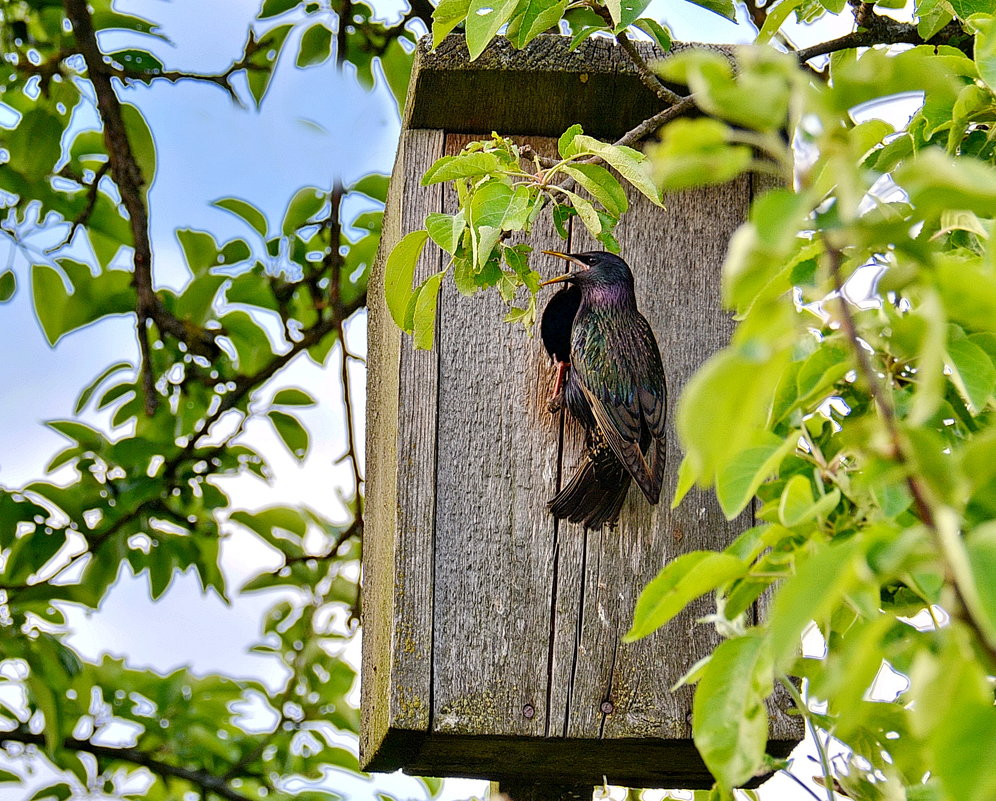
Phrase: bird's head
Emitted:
{"points": [[597, 269]]}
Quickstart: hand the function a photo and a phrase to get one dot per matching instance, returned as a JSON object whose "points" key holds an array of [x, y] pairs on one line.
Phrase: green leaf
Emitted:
{"points": [[484, 18], [463, 165], [984, 27], [143, 144], [797, 505], [60, 791], [586, 212], [93, 297], [315, 47], [89, 389], [137, 62], [199, 249], [656, 31], [697, 153], [532, 18], [292, 396], [981, 548], [722, 405], [495, 207], [937, 183], [820, 581], [739, 479], [968, 292], [821, 370], [972, 373], [305, 204], [630, 164], [424, 321], [446, 230], [245, 211], [396, 63], [291, 432], [565, 145], [446, 16], [264, 59], [729, 718], [399, 272], [34, 144], [273, 8], [373, 186], [775, 18], [601, 185], [252, 345], [683, 580], [8, 285], [724, 8], [625, 12]]}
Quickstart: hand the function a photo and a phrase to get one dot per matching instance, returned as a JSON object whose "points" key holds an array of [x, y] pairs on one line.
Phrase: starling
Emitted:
{"points": [[615, 388], [555, 331]]}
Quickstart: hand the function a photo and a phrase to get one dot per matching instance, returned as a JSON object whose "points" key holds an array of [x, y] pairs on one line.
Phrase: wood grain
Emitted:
{"points": [[539, 91], [623, 690], [494, 538], [401, 465]]}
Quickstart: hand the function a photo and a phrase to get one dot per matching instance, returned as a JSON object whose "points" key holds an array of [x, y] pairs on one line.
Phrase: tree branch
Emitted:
{"points": [[647, 76], [130, 182], [878, 29], [650, 125], [202, 778], [883, 402]]}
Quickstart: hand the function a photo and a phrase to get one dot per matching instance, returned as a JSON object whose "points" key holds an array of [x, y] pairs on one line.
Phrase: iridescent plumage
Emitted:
{"points": [[615, 388]]}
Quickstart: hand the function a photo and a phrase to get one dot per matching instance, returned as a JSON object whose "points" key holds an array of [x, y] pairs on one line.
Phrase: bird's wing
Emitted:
{"points": [[627, 450]]}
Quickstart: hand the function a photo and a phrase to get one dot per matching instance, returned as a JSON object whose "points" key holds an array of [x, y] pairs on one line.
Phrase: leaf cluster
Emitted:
{"points": [[854, 420], [499, 195]]}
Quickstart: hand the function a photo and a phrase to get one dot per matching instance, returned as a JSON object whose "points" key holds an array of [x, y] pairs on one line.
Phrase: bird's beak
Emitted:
{"points": [[566, 276]]}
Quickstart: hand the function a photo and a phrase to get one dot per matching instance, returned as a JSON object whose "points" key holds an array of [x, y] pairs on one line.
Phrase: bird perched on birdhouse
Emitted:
{"points": [[614, 386]]}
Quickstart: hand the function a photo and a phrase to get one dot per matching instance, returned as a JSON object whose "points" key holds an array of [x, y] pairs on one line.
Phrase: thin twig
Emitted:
{"points": [[342, 32], [131, 185], [647, 76], [83, 217], [804, 710], [202, 778], [650, 125]]}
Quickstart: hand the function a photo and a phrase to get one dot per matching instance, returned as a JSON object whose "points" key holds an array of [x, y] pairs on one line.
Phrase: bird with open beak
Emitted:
{"points": [[614, 387]]}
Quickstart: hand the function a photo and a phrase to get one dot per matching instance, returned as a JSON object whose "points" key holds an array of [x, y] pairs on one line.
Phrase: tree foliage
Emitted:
{"points": [[861, 422]]}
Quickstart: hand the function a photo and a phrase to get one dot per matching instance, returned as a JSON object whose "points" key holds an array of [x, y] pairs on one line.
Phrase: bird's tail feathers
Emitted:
{"points": [[594, 496]]}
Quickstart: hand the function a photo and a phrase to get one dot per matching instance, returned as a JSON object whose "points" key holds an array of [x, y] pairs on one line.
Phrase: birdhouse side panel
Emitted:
{"points": [[400, 494]]}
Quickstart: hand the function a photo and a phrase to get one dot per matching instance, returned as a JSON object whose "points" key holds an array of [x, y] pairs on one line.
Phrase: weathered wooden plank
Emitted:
{"points": [[401, 462], [538, 91], [630, 762], [494, 538], [622, 690]]}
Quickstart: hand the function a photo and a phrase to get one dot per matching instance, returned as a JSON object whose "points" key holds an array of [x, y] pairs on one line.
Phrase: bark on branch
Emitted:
{"points": [[206, 780]]}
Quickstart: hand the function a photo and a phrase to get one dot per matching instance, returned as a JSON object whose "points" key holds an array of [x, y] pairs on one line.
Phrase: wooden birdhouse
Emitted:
{"points": [[492, 632]]}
